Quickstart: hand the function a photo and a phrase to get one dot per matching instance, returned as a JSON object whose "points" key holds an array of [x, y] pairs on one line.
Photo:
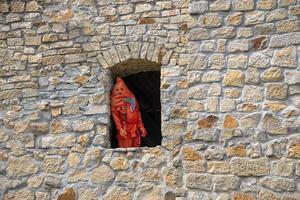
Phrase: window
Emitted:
{"points": [[145, 85]]}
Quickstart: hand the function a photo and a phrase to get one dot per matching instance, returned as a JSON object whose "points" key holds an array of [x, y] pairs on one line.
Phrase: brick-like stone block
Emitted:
{"points": [[250, 167]]}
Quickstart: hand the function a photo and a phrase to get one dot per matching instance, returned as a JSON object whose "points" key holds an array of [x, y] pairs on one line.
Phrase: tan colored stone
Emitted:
{"points": [[73, 160], [283, 167], [81, 80], [276, 91], [56, 111], [243, 196], [86, 193], [151, 174], [117, 193], [288, 26], [250, 167], [243, 5], [54, 164], [234, 78], [17, 7], [63, 16], [68, 194], [294, 151], [230, 122], [234, 19], [218, 167], [272, 74], [53, 60], [248, 107], [285, 57], [266, 4], [237, 61], [208, 122], [278, 184], [21, 166], [189, 153], [23, 194], [78, 175], [32, 6], [210, 20], [275, 106], [119, 163], [102, 174], [33, 41], [253, 93], [236, 151], [51, 37], [82, 125], [193, 167]]}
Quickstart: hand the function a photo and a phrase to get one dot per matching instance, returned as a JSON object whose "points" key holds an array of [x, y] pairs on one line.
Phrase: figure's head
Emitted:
{"points": [[120, 89]]}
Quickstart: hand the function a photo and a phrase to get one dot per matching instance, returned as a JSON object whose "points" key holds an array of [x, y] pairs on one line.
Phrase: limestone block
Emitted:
{"points": [[102, 174], [234, 78], [21, 166], [250, 167], [199, 181], [278, 184], [198, 7]]}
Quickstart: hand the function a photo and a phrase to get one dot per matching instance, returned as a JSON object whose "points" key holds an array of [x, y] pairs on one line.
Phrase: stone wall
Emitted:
{"points": [[230, 85]]}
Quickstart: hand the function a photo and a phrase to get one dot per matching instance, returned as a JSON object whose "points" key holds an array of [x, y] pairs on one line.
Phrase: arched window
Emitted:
{"points": [[142, 77]]}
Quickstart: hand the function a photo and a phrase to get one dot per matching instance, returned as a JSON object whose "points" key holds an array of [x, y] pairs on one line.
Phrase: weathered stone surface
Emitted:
{"points": [[282, 167], [276, 91], [199, 181], [225, 182], [198, 7], [285, 57], [243, 5], [218, 167], [82, 125], [243, 196], [234, 78], [272, 74], [117, 193], [119, 163], [54, 164], [250, 167], [294, 151], [236, 151], [58, 141], [252, 93], [230, 121], [21, 166], [102, 174], [190, 154], [21, 194], [208, 122], [237, 61], [68, 194], [278, 184]]}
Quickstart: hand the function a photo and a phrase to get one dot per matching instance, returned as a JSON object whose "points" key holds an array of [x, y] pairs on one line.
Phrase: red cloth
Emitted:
{"points": [[127, 116]]}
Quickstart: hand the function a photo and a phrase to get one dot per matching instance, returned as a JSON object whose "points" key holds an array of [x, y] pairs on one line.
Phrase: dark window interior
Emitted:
{"points": [[146, 88]]}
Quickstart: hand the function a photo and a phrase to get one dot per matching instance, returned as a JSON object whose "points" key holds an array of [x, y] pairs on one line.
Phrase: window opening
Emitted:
{"points": [[146, 88]]}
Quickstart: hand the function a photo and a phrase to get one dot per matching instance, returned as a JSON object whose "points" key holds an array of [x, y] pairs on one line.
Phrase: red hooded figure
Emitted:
{"points": [[126, 115]]}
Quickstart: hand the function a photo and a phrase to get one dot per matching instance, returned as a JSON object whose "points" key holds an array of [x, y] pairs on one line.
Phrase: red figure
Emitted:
{"points": [[126, 115]]}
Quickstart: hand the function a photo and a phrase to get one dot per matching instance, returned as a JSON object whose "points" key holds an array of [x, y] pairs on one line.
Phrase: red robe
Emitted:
{"points": [[127, 116]]}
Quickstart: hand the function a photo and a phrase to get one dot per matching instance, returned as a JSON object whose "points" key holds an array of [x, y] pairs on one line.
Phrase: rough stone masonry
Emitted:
{"points": [[230, 95]]}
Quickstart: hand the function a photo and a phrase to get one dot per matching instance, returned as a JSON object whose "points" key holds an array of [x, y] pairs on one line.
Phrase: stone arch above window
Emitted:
{"points": [[146, 51]]}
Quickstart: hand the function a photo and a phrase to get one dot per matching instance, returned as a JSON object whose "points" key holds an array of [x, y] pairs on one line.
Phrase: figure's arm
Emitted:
{"points": [[141, 126], [118, 123]]}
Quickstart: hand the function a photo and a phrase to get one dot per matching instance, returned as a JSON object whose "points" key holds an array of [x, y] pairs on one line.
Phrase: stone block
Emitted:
{"points": [[250, 167], [225, 182], [198, 7], [199, 181], [279, 184], [276, 91]]}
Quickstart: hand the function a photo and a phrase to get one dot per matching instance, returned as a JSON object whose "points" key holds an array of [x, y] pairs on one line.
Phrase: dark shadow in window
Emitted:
{"points": [[146, 88]]}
